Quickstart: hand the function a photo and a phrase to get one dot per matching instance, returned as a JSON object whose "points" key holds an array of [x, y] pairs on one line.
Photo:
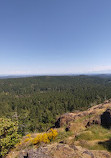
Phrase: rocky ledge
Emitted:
{"points": [[58, 150], [99, 114]]}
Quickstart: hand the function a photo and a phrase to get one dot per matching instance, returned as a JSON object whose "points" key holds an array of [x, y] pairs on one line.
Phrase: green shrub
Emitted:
{"points": [[8, 135]]}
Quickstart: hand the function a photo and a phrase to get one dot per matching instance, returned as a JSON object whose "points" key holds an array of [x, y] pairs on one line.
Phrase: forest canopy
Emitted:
{"points": [[36, 102]]}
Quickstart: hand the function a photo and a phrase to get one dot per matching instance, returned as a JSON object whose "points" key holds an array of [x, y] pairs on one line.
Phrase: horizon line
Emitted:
{"points": [[57, 74]]}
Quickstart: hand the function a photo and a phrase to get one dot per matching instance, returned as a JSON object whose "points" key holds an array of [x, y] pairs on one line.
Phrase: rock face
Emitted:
{"points": [[96, 120], [106, 119], [41, 152], [65, 119], [99, 114], [58, 150]]}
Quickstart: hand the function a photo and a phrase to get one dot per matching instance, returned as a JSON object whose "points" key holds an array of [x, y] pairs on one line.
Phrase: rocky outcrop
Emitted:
{"points": [[58, 150], [106, 119], [65, 119], [76, 123], [99, 114], [96, 120]]}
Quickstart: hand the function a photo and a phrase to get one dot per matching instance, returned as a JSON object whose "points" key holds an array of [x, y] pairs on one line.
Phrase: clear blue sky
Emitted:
{"points": [[55, 36]]}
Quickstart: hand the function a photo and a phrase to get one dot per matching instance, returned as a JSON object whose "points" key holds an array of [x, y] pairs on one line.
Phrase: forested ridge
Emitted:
{"points": [[36, 102]]}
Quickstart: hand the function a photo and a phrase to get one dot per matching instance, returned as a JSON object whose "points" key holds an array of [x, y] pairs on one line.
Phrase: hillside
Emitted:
{"points": [[83, 134]]}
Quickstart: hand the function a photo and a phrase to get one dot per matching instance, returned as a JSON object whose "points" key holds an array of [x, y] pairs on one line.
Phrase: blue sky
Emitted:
{"points": [[55, 36]]}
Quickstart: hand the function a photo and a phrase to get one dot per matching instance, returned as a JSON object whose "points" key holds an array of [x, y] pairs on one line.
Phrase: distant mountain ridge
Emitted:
{"points": [[15, 76], [23, 76]]}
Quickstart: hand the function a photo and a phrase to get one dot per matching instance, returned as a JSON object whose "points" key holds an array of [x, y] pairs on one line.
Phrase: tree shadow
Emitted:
{"points": [[106, 119], [106, 144]]}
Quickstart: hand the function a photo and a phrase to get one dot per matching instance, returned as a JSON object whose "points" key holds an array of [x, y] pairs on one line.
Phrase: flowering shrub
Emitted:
{"points": [[45, 137], [28, 135], [40, 138]]}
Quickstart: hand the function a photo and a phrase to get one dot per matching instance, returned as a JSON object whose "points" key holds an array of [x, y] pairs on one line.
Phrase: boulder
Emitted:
{"points": [[106, 119]]}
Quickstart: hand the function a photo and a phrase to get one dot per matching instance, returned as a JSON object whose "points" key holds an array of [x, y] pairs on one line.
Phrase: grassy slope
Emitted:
{"points": [[94, 138]]}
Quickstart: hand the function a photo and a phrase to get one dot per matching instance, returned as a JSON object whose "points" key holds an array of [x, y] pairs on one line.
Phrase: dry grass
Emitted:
{"points": [[92, 136]]}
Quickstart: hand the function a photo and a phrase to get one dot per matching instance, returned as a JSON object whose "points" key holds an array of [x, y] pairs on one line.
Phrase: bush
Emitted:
{"points": [[42, 137], [45, 137], [8, 135]]}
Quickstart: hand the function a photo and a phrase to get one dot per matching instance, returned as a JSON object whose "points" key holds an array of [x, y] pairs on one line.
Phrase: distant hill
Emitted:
{"points": [[15, 76]]}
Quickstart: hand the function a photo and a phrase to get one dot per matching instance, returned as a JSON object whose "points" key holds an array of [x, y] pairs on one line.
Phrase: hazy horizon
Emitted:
{"points": [[58, 74]]}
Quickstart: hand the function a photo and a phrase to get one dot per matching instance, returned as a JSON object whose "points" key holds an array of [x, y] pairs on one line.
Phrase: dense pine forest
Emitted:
{"points": [[36, 102]]}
